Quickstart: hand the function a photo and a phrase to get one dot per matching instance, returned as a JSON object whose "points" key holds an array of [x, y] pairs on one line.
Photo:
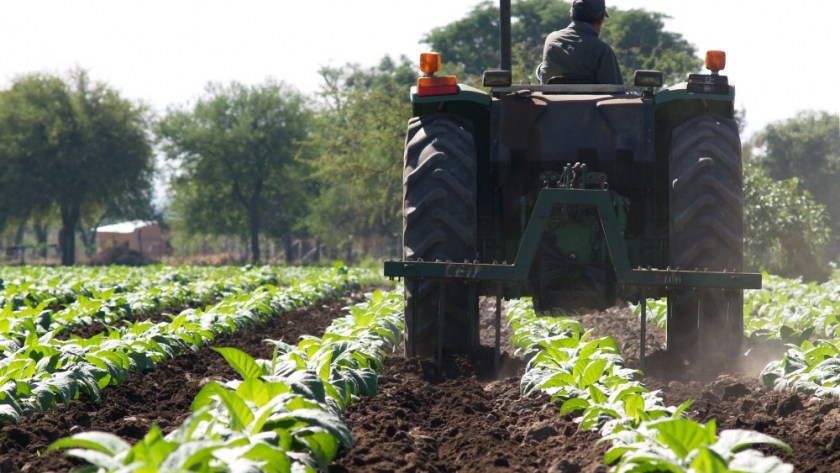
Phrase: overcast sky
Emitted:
{"points": [[781, 55]]}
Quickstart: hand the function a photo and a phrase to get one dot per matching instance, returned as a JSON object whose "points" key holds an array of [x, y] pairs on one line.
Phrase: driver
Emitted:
{"points": [[576, 52]]}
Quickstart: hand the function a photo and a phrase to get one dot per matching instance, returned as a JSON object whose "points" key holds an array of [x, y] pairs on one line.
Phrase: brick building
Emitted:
{"points": [[145, 237]]}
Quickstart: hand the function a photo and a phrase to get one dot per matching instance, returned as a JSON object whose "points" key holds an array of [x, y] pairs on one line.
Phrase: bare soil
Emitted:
{"points": [[461, 416]]}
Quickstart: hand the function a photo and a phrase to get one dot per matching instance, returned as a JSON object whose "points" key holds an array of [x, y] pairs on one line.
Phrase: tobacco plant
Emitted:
{"points": [[589, 378], [282, 416]]}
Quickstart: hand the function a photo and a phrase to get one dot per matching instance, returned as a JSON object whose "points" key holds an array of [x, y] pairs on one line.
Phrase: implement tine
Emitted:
{"points": [[441, 308], [643, 301], [701, 318], [497, 353]]}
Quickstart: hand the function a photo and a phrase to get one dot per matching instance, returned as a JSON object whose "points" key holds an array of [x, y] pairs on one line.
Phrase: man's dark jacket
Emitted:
{"points": [[578, 52]]}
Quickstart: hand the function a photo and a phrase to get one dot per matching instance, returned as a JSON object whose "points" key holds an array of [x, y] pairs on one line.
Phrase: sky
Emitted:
{"points": [[781, 55]]}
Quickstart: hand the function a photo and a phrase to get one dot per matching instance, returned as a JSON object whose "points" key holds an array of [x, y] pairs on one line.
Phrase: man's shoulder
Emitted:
{"points": [[565, 34], [581, 35]]}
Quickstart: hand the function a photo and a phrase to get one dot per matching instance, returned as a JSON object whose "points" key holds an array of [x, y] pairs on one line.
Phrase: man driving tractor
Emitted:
{"points": [[576, 54]]}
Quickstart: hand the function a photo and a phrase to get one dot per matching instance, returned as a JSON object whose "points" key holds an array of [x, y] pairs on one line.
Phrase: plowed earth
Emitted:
{"points": [[461, 417]]}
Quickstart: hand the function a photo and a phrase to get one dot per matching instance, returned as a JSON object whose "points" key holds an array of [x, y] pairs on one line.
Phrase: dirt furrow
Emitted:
{"points": [[461, 421]]}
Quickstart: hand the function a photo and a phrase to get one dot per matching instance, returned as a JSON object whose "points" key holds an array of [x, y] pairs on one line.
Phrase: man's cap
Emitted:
{"points": [[596, 6]]}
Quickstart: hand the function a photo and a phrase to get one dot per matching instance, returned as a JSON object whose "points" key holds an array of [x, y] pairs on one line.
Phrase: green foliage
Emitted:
{"points": [[810, 368], [682, 445], [76, 146], [234, 150], [357, 152], [589, 378], [640, 42], [39, 371], [806, 147], [785, 230], [282, 419], [471, 45]]}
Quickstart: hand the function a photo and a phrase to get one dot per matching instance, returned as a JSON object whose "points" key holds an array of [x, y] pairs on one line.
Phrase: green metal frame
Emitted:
{"points": [[680, 92], [548, 200]]}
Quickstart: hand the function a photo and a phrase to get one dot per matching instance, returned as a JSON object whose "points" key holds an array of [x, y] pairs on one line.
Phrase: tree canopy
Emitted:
{"points": [[234, 152], [471, 45], [807, 147], [357, 149], [785, 230], [76, 146]]}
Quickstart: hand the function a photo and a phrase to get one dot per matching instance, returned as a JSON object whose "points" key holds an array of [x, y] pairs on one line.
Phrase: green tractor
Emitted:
{"points": [[578, 195]]}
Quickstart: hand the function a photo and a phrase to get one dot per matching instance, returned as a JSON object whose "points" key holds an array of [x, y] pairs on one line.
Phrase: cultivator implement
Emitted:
{"points": [[503, 280]]}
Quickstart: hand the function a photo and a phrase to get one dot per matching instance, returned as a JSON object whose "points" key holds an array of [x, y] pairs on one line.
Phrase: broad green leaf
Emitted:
{"points": [[614, 454], [96, 458], [735, 440], [634, 406], [64, 385], [573, 405], [151, 449], [254, 390], [276, 460], [682, 435], [99, 441], [323, 445], [682, 407], [597, 395], [753, 461], [240, 361], [9, 414], [315, 418], [239, 412], [707, 461], [592, 373], [190, 455]]}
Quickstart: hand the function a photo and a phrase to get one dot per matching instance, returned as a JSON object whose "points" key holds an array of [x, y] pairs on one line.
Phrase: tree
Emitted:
{"points": [[76, 146], [470, 45], [786, 231], [807, 147], [640, 42], [357, 153], [234, 154]]}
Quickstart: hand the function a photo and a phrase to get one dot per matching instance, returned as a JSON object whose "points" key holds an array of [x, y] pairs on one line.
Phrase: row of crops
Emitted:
{"points": [[58, 297], [39, 370], [589, 377], [797, 322], [284, 414]]}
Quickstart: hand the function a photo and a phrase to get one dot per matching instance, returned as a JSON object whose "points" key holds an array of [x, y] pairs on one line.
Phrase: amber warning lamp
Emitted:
{"points": [[430, 84], [713, 83], [715, 61]]}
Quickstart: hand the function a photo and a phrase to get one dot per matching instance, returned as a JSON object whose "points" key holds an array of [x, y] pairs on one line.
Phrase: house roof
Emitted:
{"points": [[124, 227]]}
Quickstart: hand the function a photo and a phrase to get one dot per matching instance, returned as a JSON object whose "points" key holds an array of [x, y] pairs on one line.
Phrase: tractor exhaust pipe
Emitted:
{"points": [[504, 30]]}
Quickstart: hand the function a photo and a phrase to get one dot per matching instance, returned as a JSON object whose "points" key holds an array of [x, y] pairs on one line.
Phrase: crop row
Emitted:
{"points": [[32, 285], [108, 297], [282, 416], [783, 310], [40, 371], [589, 377], [797, 321]]}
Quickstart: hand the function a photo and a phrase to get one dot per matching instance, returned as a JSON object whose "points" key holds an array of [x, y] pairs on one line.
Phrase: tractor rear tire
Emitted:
{"points": [[439, 224], [707, 233]]}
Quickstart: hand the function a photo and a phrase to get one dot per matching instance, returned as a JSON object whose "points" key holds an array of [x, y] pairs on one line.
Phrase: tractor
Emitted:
{"points": [[578, 195]]}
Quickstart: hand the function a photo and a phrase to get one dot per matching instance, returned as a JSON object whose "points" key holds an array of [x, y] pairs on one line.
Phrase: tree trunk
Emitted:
{"points": [[254, 217], [41, 238], [69, 221], [287, 249]]}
